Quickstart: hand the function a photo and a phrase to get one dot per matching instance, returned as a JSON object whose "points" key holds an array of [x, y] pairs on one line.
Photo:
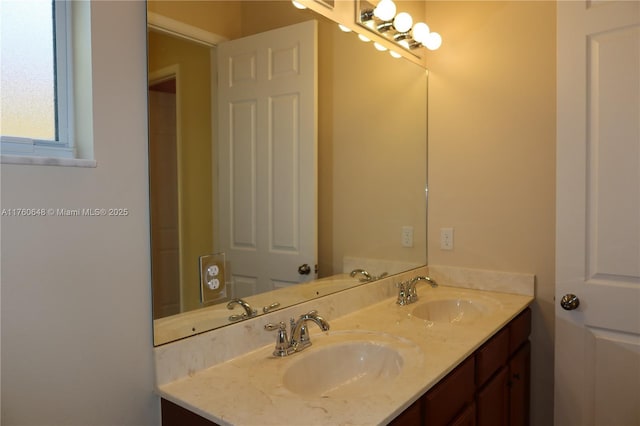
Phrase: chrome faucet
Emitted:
{"points": [[299, 333], [366, 277], [407, 292], [248, 310]]}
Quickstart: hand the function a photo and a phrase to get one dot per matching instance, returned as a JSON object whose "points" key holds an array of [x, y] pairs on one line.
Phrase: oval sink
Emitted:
{"points": [[454, 311], [343, 369]]}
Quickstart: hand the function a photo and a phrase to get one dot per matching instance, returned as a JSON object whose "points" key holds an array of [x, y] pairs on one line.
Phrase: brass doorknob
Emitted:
{"points": [[304, 269], [569, 302]]}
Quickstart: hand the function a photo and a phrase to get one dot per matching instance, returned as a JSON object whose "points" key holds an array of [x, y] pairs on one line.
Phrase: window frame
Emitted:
{"points": [[63, 146]]}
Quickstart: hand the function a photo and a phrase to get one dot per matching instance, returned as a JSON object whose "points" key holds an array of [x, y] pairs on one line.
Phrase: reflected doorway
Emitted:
{"points": [[163, 187]]}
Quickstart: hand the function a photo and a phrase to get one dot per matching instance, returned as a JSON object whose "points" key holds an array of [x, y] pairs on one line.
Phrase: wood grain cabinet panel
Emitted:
{"points": [[492, 356], [519, 386], [451, 395], [492, 400], [466, 418]]}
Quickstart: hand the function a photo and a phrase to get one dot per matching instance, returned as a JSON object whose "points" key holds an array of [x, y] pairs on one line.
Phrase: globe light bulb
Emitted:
{"points": [[298, 5], [420, 32], [364, 38], [402, 22], [344, 28], [395, 54], [434, 41], [385, 10], [379, 47]]}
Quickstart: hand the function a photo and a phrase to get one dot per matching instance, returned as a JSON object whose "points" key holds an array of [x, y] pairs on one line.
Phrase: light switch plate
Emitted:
{"points": [[446, 238], [212, 278]]}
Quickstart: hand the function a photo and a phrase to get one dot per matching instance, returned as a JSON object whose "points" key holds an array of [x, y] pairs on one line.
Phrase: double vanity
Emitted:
{"points": [[457, 353]]}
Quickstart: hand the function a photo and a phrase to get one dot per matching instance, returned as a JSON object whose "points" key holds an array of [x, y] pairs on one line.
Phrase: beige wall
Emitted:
{"points": [[492, 153], [76, 306], [378, 132], [219, 17]]}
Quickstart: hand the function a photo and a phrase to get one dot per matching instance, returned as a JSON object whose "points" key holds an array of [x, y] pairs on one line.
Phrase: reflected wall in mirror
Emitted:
{"points": [[371, 157]]}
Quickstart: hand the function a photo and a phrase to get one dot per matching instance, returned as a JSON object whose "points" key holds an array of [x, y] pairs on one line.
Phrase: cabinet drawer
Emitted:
{"points": [[519, 330], [451, 395], [491, 356]]}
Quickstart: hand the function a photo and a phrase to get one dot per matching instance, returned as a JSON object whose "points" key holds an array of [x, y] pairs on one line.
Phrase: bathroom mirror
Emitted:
{"points": [[371, 159]]}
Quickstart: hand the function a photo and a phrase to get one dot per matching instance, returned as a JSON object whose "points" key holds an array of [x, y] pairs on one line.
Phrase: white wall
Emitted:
{"points": [[76, 305]]}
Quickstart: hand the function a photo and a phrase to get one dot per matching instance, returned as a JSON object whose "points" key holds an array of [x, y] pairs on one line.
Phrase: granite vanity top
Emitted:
{"points": [[248, 389]]}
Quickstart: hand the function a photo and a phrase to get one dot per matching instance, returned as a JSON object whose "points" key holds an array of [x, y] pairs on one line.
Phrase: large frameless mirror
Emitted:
{"points": [[229, 171]]}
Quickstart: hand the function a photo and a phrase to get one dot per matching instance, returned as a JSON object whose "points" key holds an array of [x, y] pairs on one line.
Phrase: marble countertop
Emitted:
{"points": [[249, 390]]}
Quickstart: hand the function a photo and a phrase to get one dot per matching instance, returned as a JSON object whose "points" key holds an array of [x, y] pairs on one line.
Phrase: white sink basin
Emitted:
{"points": [[454, 311], [343, 369]]}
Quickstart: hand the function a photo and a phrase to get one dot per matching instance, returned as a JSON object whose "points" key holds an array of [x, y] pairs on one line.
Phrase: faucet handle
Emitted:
{"points": [[274, 305], [283, 348]]}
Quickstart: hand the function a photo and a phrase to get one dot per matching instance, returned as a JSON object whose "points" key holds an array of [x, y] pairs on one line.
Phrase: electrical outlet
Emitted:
{"points": [[212, 282], [407, 236], [446, 238]]}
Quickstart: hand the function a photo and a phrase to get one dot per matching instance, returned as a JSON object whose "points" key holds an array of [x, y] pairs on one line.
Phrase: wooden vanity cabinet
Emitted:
{"points": [[489, 388]]}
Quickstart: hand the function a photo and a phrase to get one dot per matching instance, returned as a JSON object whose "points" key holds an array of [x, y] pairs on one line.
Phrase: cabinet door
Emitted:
{"points": [[466, 418], [492, 401], [519, 370], [450, 396], [492, 356]]}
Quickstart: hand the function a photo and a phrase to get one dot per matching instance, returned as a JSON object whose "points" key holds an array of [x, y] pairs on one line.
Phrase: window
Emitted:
{"points": [[35, 78]]}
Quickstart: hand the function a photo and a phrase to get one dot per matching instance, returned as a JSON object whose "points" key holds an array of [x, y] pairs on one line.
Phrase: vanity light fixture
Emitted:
{"points": [[396, 27]]}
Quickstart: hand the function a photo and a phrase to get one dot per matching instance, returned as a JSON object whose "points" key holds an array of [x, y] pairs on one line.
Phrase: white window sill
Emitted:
{"points": [[46, 161]]}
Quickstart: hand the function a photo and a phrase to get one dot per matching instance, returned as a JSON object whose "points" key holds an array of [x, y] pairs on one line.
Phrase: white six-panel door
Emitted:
{"points": [[268, 149], [597, 356]]}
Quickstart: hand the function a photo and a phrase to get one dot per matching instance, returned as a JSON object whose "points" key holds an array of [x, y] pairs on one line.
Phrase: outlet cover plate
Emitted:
{"points": [[213, 286]]}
